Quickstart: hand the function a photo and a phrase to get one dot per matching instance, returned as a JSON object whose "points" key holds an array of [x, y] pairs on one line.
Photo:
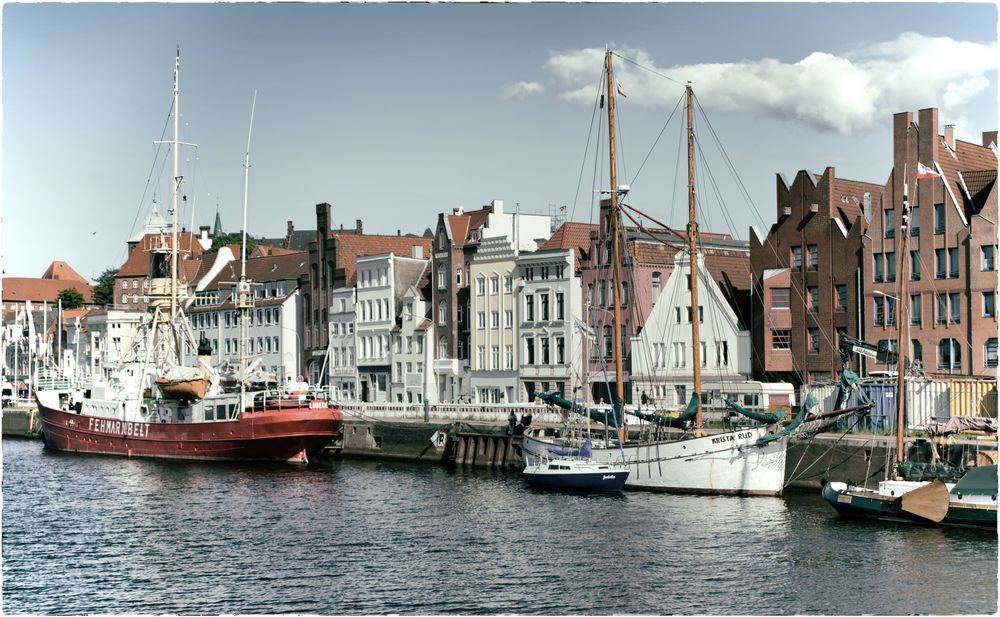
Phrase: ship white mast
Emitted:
{"points": [[245, 299]]}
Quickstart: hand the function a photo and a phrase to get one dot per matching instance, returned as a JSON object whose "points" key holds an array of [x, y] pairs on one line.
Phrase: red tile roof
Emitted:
{"points": [[17, 289], [137, 264], [571, 235], [352, 246], [263, 269], [61, 271]]}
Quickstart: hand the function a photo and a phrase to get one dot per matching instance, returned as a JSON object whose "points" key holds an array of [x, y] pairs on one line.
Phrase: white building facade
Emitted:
{"points": [[493, 323], [551, 347], [342, 360], [413, 350]]}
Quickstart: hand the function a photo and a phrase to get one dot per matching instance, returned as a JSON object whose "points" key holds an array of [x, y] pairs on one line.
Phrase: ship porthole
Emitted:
{"points": [[960, 496]]}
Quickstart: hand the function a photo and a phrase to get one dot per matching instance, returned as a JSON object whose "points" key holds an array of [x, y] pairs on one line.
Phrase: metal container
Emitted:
{"points": [[927, 400], [974, 397], [825, 395], [881, 418]]}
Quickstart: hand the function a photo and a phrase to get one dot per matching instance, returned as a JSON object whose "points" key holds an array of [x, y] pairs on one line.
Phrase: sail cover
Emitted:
{"points": [[768, 417], [604, 416], [673, 418], [800, 417]]}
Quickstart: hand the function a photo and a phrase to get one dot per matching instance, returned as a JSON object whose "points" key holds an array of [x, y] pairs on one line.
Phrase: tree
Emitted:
{"points": [[104, 291], [227, 239], [71, 298]]}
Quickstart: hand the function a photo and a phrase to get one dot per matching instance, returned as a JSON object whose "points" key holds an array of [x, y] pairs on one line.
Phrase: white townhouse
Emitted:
{"points": [[413, 346], [552, 346], [493, 324], [342, 366], [662, 370], [381, 281]]}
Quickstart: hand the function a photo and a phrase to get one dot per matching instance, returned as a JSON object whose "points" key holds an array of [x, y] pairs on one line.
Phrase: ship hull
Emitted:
{"points": [[281, 433], [867, 504], [723, 464]]}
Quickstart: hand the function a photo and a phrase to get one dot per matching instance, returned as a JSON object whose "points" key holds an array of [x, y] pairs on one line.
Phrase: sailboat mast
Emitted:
{"points": [[692, 230], [177, 186], [900, 323], [244, 286], [615, 221]]}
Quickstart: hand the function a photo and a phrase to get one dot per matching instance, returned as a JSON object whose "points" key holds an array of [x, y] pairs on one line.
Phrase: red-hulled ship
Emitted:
{"points": [[189, 414], [283, 429]]}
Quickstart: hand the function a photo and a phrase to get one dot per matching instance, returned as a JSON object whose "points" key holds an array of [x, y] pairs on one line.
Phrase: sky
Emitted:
{"points": [[393, 113]]}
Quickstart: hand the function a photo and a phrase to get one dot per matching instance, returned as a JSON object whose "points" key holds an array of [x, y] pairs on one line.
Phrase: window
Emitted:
{"points": [[703, 353], [916, 310], [529, 307], [495, 319], [953, 263], [495, 357], [677, 314], [495, 284], [624, 293], [442, 347], [987, 258], [124, 284], [603, 293], [722, 353], [954, 300], [814, 340], [813, 257], [481, 285], [780, 297], [989, 304], [529, 273], [890, 267], [458, 277], [508, 357], [529, 349], [545, 306], [889, 226], [914, 265], [940, 267], [917, 351], [841, 297], [442, 314], [938, 218], [781, 339], [508, 319], [891, 355], [879, 267], [949, 355], [942, 309], [545, 272], [890, 311], [560, 306], [990, 353], [508, 283], [915, 221], [680, 355], [480, 357], [879, 311], [442, 277], [461, 314], [814, 298], [656, 286], [796, 256], [481, 319], [608, 342], [545, 350]]}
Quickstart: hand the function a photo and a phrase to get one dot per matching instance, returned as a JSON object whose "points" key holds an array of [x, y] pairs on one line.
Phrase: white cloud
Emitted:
{"points": [[523, 89], [844, 94]]}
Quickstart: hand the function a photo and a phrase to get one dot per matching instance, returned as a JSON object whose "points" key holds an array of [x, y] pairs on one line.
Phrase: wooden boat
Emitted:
{"points": [[183, 389]]}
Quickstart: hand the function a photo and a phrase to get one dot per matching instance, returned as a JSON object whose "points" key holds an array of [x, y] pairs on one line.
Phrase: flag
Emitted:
{"points": [[619, 88], [926, 172]]}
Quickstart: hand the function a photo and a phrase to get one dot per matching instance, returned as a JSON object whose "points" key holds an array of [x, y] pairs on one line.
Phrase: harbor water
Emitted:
{"points": [[91, 534]]}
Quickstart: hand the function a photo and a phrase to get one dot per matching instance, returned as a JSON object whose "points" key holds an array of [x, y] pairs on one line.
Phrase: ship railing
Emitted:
{"points": [[497, 412]]}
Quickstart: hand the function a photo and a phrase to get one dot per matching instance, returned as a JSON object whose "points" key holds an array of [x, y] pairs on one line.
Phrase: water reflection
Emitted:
{"points": [[100, 535]]}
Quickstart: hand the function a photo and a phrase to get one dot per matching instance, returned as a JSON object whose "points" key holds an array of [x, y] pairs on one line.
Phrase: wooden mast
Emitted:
{"points": [[692, 230], [901, 316], [614, 230]]}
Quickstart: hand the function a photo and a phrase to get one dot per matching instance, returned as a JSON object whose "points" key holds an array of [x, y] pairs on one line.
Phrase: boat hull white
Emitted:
{"points": [[723, 464]]}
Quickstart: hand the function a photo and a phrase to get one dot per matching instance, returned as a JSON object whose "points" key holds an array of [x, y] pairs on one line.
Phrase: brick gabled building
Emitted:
{"points": [[132, 281], [332, 265], [951, 252], [808, 274]]}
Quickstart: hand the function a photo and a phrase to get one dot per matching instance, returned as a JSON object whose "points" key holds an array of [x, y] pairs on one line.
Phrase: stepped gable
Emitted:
{"points": [[350, 246], [61, 271], [20, 289]]}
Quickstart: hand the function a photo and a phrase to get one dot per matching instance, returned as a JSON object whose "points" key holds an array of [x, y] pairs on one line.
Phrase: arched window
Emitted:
{"points": [[443, 347], [949, 355], [442, 313], [608, 342]]}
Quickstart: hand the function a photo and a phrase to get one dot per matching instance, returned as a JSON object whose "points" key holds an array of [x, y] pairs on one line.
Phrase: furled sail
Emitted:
{"points": [[670, 419], [769, 417], [604, 416], [800, 417]]}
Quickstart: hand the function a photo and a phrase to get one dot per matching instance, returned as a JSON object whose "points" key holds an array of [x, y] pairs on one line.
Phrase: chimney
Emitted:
{"points": [[418, 251], [203, 232], [290, 228], [497, 206], [927, 142], [989, 137], [399, 232], [357, 226], [949, 136]]}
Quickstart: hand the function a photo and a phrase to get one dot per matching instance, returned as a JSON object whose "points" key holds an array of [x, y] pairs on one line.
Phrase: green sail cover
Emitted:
{"points": [[800, 417], [609, 417], [670, 419], [978, 481], [847, 380], [770, 417]]}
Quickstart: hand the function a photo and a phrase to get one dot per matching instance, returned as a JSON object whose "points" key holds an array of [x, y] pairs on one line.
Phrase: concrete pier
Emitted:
{"points": [[21, 421]]}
